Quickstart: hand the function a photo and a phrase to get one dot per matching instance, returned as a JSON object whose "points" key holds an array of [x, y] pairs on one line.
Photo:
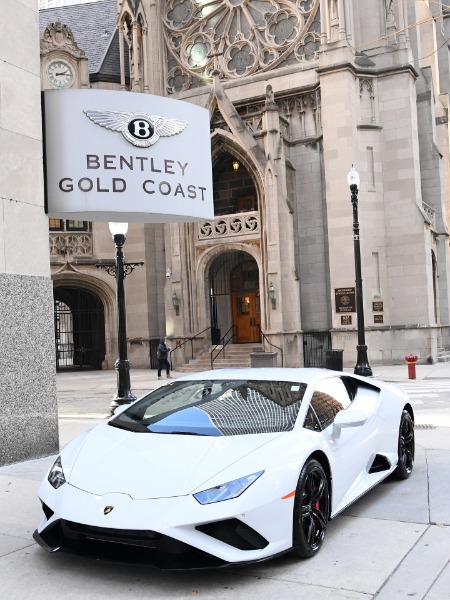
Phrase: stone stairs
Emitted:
{"points": [[443, 355], [237, 356]]}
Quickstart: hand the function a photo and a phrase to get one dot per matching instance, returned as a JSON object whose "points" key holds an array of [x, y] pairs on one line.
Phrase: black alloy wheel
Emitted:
{"points": [[406, 447], [311, 510]]}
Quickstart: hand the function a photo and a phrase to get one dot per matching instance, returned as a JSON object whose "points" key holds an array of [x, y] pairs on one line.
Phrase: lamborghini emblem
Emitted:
{"points": [[140, 129], [108, 509]]}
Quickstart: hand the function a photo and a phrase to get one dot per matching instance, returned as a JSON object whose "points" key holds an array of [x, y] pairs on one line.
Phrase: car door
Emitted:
{"points": [[351, 448]]}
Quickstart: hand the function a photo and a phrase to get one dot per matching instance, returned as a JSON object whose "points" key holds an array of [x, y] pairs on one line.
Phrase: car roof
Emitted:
{"points": [[303, 375]]}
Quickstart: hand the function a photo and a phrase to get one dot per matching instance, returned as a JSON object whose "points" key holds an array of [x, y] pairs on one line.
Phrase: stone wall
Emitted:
{"points": [[28, 424], [28, 407]]}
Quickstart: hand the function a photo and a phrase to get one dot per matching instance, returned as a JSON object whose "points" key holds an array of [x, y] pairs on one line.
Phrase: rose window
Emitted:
{"points": [[283, 28], [197, 52], [238, 37], [308, 49], [178, 80]]}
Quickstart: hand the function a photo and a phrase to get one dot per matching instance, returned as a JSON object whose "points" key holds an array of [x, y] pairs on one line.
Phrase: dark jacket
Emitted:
{"points": [[162, 349]]}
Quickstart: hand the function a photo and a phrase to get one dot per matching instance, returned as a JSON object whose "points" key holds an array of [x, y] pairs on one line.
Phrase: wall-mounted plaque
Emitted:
{"points": [[377, 306], [378, 319], [346, 319], [345, 299]]}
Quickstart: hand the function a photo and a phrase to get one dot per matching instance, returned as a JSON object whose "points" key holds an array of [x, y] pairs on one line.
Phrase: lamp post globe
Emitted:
{"points": [[362, 366], [353, 177], [118, 229]]}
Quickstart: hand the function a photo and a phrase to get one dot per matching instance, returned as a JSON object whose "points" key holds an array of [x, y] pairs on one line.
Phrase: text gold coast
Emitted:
{"points": [[169, 180]]}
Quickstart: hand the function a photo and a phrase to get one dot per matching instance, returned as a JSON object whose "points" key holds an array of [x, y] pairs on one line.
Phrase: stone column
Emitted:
{"points": [[145, 65], [28, 405], [279, 225], [156, 67], [136, 75], [122, 58], [324, 21]]}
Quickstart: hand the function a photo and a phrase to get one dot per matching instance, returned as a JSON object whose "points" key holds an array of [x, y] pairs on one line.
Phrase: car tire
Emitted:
{"points": [[406, 447], [311, 510]]}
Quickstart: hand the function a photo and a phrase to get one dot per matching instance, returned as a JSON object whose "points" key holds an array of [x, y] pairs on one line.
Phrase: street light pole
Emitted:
{"points": [[120, 270], [362, 366]]}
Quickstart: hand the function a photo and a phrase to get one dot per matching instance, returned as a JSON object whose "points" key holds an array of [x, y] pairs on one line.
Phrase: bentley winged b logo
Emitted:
{"points": [[140, 129]]}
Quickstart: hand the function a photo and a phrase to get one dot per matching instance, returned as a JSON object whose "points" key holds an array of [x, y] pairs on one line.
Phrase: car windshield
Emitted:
{"points": [[215, 408]]}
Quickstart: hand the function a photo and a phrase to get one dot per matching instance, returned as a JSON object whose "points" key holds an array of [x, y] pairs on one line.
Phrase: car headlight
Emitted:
{"points": [[56, 475], [227, 491]]}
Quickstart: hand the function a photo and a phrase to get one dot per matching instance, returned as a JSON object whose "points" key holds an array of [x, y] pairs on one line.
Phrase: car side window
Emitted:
{"points": [[311, 421], [329, 398]]}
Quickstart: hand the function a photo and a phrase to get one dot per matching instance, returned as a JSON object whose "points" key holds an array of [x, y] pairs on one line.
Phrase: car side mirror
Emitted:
{"points": [[120, 409], [349, 418]]}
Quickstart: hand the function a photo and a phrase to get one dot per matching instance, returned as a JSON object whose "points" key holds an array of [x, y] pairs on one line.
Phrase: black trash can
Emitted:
{"points": [[334, 360], [215, 336]]}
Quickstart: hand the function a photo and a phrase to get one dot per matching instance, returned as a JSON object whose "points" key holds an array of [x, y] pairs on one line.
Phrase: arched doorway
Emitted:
{"points": [[79, 329], [234, 297], [246, 303]]}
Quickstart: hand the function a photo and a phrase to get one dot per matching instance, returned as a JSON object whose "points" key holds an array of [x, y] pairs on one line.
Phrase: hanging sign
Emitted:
{"points": [[126, 157]]}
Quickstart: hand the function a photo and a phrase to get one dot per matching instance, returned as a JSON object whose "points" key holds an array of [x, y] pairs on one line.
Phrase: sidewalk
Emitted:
{"points": [[393, 544], [399, 373], [89, 393]]}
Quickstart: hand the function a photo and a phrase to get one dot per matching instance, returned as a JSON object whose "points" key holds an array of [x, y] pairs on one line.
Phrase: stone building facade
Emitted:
{"points": [[298, 91], [28, 410]]}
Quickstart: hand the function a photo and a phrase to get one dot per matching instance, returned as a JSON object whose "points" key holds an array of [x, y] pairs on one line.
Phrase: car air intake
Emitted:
{"points": [[234, 533]]}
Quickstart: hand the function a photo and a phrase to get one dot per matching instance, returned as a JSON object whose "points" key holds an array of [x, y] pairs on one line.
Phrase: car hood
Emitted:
{"points": [[152, 465]]}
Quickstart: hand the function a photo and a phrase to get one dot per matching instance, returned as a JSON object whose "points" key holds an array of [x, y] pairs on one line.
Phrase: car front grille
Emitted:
{"points": [[130, 537], [126, 545]]}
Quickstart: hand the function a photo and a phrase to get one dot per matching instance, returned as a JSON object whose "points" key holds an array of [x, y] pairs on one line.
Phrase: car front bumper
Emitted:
{"points": [[170, 533]]}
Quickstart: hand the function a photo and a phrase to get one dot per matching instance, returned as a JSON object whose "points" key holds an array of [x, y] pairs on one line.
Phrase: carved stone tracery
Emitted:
{"points": [[300, 116], [230, 226], [76, 244], [237, 37]]}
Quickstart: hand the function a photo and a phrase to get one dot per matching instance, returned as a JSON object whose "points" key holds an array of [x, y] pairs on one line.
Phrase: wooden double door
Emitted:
{"points": [[247, 317]]}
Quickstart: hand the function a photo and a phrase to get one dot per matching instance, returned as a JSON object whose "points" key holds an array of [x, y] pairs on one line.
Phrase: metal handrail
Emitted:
{"points": [[270, 343], [181, 344], [222, 343]]}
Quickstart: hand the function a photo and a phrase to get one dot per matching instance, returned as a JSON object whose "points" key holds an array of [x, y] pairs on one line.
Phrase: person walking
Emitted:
{"points": [[163, 363]]}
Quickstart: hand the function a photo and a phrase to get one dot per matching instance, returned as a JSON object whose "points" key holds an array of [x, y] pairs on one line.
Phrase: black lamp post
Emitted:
{"points": [[362, 366], [120, 270]]}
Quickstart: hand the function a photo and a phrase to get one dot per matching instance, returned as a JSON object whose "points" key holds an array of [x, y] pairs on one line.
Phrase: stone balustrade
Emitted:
{"points": [[242, 224], [76, 244]]}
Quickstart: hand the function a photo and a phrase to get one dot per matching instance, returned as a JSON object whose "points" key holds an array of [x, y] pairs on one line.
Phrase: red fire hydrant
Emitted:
{"points": [[411, 360]]}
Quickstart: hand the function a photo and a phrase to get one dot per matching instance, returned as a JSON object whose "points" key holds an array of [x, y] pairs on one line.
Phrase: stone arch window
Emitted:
{"points": [[233, 186], [245, 276]]}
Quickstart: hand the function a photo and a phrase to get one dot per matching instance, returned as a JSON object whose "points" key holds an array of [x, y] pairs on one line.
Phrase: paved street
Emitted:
{"points": [[392, 544]]}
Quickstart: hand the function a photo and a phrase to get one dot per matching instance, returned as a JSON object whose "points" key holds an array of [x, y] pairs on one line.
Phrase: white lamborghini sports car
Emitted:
{"points": [[226, 467]]}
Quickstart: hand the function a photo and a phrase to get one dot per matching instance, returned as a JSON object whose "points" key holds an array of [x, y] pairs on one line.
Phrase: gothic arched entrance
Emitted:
{"points": [[234, 297], [79, 329]]}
